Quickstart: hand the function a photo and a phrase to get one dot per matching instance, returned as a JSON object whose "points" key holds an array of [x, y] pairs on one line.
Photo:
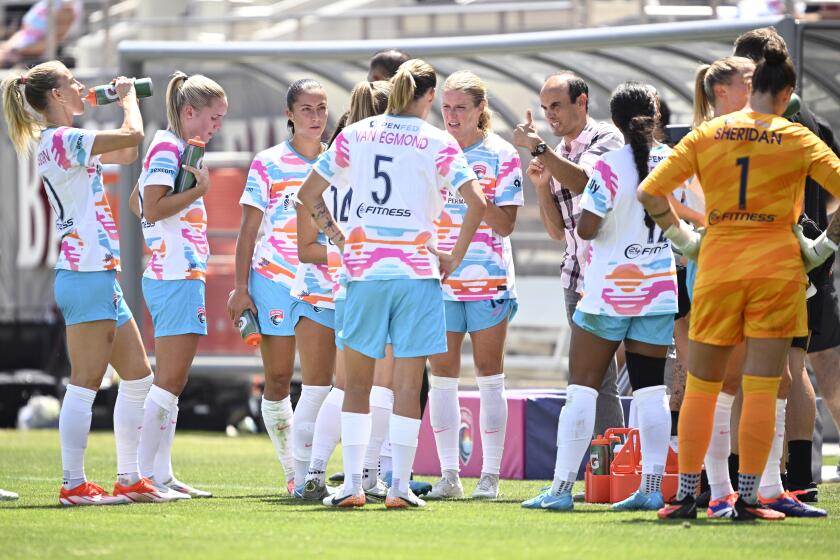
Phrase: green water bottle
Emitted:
{"points": [[794, 106], [105, 94], [193, 154], [599, 456], [249, 329]]}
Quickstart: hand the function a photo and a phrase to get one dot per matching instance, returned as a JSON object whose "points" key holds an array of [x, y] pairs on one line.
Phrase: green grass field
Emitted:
{"points": [[250, 518]]}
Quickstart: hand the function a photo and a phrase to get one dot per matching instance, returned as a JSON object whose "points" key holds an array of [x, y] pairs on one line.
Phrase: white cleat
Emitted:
{"points": [[342, 500], [487, 487], [378, 492], [446, 488], [6, 496], [183, 488], [398, 500]]}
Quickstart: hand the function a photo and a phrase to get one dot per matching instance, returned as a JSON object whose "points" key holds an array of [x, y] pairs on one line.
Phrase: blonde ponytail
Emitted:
{"points": [[368, 99], [197, 91], [413, 79], [703, 108], [708, 76], [32, 88]]}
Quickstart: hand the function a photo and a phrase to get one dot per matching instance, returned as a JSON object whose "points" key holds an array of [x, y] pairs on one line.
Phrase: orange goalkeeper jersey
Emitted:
{"points": [[752, 168]]}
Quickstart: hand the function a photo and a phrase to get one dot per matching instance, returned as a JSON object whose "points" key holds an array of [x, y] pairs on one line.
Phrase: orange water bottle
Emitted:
{"points": [[249, 329]]}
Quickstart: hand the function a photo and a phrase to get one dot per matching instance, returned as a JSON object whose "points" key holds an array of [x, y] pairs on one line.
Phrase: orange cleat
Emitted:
{"points": [[145, 491], [89, 494]]}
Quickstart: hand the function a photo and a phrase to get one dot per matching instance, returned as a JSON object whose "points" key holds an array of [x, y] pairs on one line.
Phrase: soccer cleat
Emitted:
{"points": [[639, 501], [809, 494], [446, 488], [174, 494], [6, 496], [703, 499], [683, 509], [342, 500], [419, 487], [487, 487], [751, 512], [144, 491], [397, 500], [89, 494], [560, 502], [722, 508], [315, 491], [378, 492], [791, 506], [178, 486]]}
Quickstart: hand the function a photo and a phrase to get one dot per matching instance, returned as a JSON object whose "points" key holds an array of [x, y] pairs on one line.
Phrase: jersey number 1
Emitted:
{"points": [[744, 164]]}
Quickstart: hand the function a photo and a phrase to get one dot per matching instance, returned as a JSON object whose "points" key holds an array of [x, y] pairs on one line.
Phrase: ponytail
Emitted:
{"points": [[32, 88], [196, 91], [368, 99], [473, 86], [413, 79], [703, 106]]}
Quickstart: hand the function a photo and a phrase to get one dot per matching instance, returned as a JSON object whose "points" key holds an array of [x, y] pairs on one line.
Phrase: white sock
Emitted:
{"points": [[355, 436], [159, 406], [445, 414], [381, 406], [303, 427], [404, 432], [327, 435], [717, 455], [771, 478], [277, 417], [493, 417], [654, 418], [574, 432], [73, 428], [128, 420], [385, 465], [163, 457]]}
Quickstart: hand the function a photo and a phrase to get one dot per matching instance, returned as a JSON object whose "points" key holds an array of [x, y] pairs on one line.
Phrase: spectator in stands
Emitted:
{"points": [[30, 41], [385, 64], [560, 176], [823, 313]]}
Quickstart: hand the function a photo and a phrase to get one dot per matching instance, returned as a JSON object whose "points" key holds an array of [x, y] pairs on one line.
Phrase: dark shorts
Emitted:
{"points": [[683, 299], [826, 329]]}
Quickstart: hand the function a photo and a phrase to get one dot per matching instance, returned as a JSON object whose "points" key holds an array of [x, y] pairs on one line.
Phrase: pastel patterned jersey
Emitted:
{"points": [[630, 270], [341, 200], [73, 183], [178, 243], [752, 168], [487, 269], [313, 282], [274, 179], [399, 166]]}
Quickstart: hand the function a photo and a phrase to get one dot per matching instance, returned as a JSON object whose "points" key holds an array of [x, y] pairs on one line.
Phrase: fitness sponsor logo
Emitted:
{"points": [[202, 315], [716, 217], [637, 250], [465, 436], [64, 225], [276, 316], [371, 210]]}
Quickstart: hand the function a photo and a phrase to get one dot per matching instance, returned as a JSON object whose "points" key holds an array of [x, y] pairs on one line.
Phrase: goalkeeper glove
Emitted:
{"points": [[685, 239], [814, 251]]}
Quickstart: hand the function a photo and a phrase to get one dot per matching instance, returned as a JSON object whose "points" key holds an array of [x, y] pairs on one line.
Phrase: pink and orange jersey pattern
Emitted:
{"points": [[752, 168], [398, 167], [487, 270], [72, 179], [274, 179], [178, 243]]}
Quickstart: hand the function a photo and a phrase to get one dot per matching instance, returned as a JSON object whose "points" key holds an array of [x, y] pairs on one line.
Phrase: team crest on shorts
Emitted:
{"points": [[276, 316], [465, 436], [202, 315], [116, 299]]}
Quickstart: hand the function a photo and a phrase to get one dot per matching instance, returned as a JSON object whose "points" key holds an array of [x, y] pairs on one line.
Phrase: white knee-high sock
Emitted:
{"points": [[574, 432], [73, 428], [717, 455], [327, 434], [385, 465], [128, 421], [303, 427], [771, 478], [157, 416], [277, 417], [381, 406], [163, 457], [355, 436], [493, 417], [404, 432], [655, 431], [445, 414]]}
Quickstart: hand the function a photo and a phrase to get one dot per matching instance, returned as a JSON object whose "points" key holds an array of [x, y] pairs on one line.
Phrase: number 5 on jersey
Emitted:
{"points": [[379, 173]]}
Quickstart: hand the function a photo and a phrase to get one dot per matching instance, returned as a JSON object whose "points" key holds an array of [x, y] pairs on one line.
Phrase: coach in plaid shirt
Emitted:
{"points": [[560, 176]]}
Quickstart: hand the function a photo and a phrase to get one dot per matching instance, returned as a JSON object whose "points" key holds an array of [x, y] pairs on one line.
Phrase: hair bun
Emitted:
{"points": [[775, 53]]}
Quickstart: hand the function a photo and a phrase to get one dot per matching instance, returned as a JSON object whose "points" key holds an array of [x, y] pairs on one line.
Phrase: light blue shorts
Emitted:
{"points": [[176, 306], [409, 311], [278, 312], [651, 329], [471, 316], [690, 278], [83, 297], [339, 323]]}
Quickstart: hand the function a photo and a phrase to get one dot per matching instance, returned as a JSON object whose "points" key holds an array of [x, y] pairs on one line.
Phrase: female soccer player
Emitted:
{"points": [[630, 295], [752, 166], [175, 230], [264, 279], [100, 327], [480, 296], [366, 100], [398, 166]]}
